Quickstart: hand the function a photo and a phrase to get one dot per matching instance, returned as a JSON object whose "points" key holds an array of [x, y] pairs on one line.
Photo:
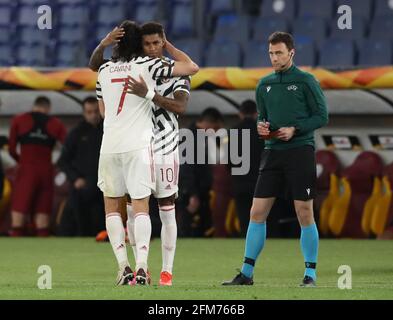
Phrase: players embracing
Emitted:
{"points": [[167, 101]]}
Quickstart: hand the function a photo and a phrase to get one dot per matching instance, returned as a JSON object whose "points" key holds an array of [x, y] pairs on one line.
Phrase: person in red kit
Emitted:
{"points": [[36, 133]]}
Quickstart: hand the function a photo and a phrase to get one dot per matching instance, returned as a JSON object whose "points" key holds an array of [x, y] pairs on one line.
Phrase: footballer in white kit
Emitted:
{"points": [[127, 153], [126, 159]]}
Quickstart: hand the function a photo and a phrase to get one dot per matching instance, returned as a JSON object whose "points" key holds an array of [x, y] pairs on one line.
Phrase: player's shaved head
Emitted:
{"points": [[130, 45]]}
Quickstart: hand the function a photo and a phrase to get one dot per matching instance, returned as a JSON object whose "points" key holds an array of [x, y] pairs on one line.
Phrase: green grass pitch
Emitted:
{"points": [[84, 269]]}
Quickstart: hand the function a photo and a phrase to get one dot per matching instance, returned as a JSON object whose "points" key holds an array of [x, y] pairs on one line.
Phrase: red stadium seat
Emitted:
{"points": [[328, 168], [357, 184], [383, 212]]}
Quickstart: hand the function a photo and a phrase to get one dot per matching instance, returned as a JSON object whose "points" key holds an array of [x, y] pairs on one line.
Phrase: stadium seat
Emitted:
{"points": [[27, 16], [370, 205], [305, 53], [232, 27], [337, 53], [328, 168], [31, 55], [5, 15], [221, 6], [72, 15], [379, 26], [182, 20], [6, 56], [264, 27], [5, 35], [70, 55], [361, 8], [112, 13], [357, 183], [146, 12], [256, 55], [75, 34], [383, 8], [357, 32], [28, 35], [35, 2], [223, 54], [111, 2], [313, 28], [193, 47], [382, 215], [316, 8], [375, 53], [71, 2], [278, 8]]}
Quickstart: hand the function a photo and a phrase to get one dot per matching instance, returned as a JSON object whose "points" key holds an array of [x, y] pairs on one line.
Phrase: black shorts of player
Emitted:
{"points": [[287, 173]]}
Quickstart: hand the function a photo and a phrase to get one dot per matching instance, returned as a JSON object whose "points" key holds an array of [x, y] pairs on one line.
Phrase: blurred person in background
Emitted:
{"points": [[195, 181], [1, 168], [243, 185], [1, 178], [36, 133], [83, 214], [222, 183]]}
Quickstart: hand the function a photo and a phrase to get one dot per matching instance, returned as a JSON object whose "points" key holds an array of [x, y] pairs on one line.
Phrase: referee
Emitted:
{"points": [[291, 105]]}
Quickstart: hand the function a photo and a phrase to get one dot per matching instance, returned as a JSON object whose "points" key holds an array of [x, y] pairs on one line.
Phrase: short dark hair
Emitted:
{"points": [[130, 45], [211, 114], [89, 99], [248, 107], [42, 101], [152, 28], [282, 37]]}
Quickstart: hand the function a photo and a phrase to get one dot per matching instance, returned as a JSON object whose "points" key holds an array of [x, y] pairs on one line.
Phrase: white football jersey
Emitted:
{"points": [[166, 137], [129, 119]]}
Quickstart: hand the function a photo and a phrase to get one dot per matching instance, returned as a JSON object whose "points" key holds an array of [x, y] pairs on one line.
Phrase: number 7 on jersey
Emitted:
{"points": [[123, 94]]}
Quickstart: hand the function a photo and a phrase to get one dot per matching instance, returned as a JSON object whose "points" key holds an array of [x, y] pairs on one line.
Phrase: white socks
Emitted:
{"points": [[130, 228], [139, 234], [168, 236], [116, 234], [142, 234]]}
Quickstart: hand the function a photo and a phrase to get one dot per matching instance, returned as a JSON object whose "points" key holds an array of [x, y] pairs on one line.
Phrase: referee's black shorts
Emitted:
{"points": [[287, 173]]}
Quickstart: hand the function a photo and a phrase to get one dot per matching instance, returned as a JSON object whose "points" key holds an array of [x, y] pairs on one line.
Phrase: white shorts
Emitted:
{"points": [[167, 174], [131, 172]]}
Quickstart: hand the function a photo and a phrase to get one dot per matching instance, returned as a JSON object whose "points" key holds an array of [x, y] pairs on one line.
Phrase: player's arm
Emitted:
{"points": [[13, 140], [97, 57], [101, 106], [177, 105], [184, 65]]}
